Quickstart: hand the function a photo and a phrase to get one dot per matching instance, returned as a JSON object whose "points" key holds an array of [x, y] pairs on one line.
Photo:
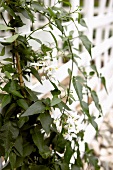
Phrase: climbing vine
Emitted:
{"points": [[43, 133]]}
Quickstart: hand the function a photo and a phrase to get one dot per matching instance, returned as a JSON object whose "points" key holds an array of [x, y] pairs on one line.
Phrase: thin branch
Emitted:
{"points": [[4, 19]]}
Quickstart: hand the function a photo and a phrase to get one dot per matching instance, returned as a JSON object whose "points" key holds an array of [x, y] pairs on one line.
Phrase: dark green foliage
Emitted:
{"points": [[29, 135]]}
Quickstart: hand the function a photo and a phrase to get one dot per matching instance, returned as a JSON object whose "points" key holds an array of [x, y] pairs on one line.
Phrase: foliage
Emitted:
{"points": [[29, 135]]}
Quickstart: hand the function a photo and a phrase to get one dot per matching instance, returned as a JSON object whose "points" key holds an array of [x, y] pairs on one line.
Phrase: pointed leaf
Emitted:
{"points": [[54, 39], [35, 108], [46, 121], [103, 81], [12, 38], [68, 153], [55, 101], [5, 28], [19, 145], [36, 39], [94, 124], [93, 66], [22, 103], [96, 100], [22, 121], [59, 25], [67, 3], [51, 12], [38, 139], [10, 110], [28, 149], [2, 51], [16, 93], [38, 7], [87, 43], [82, 22], [7, 74], [85, 108], [6, 100], [78, 88], [32, 94], [36, 74], [8, 133], [12, 159]]}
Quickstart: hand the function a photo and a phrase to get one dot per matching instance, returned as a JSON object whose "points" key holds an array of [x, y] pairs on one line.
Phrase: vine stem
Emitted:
{"points": [[19, 69], [37, 30], [4, 19], [72, 65]]}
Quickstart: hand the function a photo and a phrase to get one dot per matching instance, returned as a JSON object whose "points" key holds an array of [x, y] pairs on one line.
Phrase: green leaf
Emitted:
{"points": [[64, 166], [37, 6], [80, 79], [27, 149], [67, 3], [91, 73], [19, 145], [5, 28], [54, 39], [78, 88], [9, 10], [51, 12], [93, 66], [8, 133], [69, 72], [6, 100], [94, 161], [85, 108], [55, 92], [23, 104], [9, 68], [10, 110], [46, 121], [16, 93], [40, 167], [8, 59], [12, 38], [45, 49], [74, 167], [68, 153], [7, 74], [96, 100], [86, 42], [22, 121], [36, 74], [94, 124], [79, 17], [60, 144], [82, 22], [59, 25], [12, 159], [16, 22], [19, 161], [2, 51], [63, 106], [55, 101], [32, 94], [35, 108], [36, 39], [38, 139], [103, 81]]}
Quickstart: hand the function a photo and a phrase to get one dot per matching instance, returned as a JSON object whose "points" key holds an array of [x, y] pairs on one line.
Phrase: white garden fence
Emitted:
{"points": [[98, 15]]}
